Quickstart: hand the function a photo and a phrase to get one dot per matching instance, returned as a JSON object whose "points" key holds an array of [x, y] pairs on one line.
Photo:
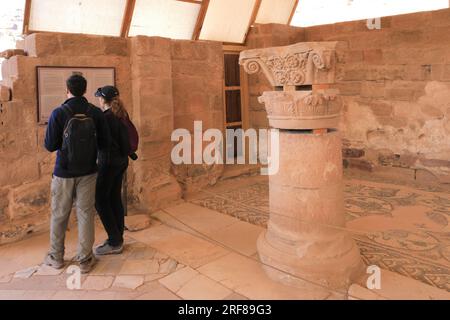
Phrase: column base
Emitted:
{"points": [[334, 269]]}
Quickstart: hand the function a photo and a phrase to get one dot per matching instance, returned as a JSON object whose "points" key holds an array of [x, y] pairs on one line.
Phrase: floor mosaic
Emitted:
{"points": [[400, 228]]}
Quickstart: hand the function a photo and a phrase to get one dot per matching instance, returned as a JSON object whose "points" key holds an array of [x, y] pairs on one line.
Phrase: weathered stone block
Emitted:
{"points": [[29, 199], [411, 21], [373, 56], [156, 86], [11, 53], [42, 44], [143, 67], [367, 40], [155, 105], [425, 176], [4, 203], [360, 164], [197, 69], [349, 88], [17, 142], [80, 45], [395, 173], [406, 37], [23, 89], [405, 90], [351, 73], [381, 108], [25, 169], [353, 153], [46, 162], [9, 70], [116, 46], [158, 128], [14, 112], [353, 56], [5, 94], [440, 18], [373, 89], [189, 50], [151, 46], [395, 72]]}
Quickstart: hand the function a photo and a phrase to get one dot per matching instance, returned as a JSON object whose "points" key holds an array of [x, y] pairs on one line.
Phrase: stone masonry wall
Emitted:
{"points": [[26, 166], [151, 70], [158, 78], [197, 73], [396, 87]]}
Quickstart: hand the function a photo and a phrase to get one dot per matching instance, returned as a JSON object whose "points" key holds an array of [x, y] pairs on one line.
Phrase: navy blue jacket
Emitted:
{"points": [[55, 128]]}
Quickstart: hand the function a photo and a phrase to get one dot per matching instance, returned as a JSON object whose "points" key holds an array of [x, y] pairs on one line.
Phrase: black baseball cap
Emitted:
{"points": [[108, 92]]}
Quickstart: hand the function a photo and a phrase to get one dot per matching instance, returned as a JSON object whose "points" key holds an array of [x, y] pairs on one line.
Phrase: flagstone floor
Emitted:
{"points": [[205, 249]]}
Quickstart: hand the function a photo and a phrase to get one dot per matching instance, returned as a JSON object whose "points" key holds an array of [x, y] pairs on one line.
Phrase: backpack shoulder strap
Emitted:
{"points": [[68, 112]]}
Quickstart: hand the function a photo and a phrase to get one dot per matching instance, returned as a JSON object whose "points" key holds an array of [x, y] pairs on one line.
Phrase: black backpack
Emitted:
{"points": [[79, 141]]}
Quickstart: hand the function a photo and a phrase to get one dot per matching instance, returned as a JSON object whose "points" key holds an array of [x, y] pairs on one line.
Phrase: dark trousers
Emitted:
{"points": [[108, 201]]}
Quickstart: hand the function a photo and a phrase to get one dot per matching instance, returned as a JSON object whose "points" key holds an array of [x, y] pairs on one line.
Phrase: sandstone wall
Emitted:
{"points": [[26, 166], [197, 74], [151, 75], [158, 79], [396, 87]]}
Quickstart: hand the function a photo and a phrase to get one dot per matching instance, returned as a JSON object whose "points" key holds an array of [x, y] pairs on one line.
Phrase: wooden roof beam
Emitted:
{"points": [[127, 18], [26, 18], [200, 20]]}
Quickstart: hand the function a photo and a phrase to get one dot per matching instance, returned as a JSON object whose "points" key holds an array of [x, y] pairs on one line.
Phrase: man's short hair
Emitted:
{"points": [[77, 85]]}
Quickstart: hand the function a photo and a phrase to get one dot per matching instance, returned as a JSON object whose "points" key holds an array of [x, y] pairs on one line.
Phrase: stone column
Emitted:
{"points": [[305, 236]]}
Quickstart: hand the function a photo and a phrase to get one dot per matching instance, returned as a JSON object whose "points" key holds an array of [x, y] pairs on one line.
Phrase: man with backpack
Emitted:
{"points": [[77, 130]]}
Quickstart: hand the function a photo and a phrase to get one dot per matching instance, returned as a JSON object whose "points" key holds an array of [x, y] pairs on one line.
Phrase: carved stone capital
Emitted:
{"points": [[303, 63], [302, 110]]}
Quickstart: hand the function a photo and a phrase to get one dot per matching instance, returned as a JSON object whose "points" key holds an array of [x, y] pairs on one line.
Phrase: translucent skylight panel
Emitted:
{"points": [[275, 11], [164, 18], [100, 17], [227, 20]]}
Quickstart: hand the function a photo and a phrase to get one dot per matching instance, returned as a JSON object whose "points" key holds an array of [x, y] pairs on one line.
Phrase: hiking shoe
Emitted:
{"points": [[107, 249], [87, 265], [51, 261]]}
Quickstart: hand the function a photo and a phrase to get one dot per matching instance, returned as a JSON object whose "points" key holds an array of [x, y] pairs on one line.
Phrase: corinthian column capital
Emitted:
{"points": [[304, 63]]}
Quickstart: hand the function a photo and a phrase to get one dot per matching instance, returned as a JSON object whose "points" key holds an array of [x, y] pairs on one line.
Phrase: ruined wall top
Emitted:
{"points": [[304, 63]]}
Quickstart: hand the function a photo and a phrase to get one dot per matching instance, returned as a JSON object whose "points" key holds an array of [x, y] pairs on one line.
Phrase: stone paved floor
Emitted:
{"points": [[168, 260], [195, 251]]}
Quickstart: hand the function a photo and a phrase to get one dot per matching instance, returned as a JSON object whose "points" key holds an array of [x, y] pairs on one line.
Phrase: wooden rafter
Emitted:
{"points": [[253, 18], [200, 20], [26, 18], [293, 12], [127, 17]]}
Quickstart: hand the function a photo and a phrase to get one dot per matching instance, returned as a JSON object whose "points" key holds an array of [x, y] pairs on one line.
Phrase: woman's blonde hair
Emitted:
{"points": [[118, 108]]}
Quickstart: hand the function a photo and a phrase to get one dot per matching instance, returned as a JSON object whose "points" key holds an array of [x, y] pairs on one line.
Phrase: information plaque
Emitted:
{"points": [[52, 90]]}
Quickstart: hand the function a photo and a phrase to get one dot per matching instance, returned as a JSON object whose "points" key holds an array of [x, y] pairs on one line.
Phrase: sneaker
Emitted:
{"points": [[87, 265], [51, 261], [107, 249]]}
